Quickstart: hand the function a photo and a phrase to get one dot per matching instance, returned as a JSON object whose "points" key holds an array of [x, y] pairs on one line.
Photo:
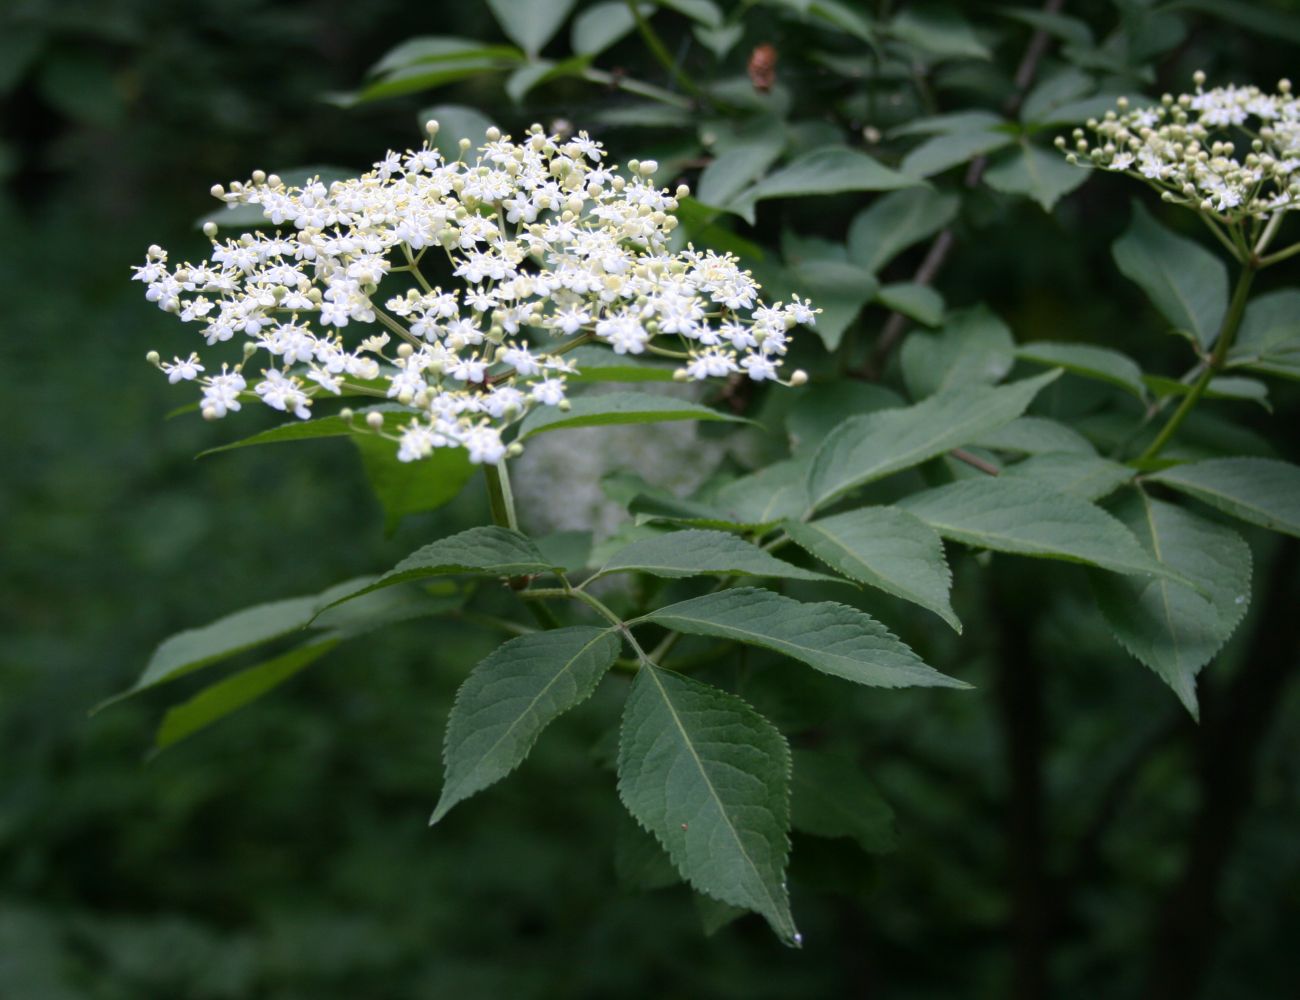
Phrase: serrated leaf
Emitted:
{"points": [[600, 364], [639, 861], [1250, 390], [484, 551], [833, 798], [771, 494], [709, 777], [307, 430], [974, 347], [245, 629], [829, 170], [1186, 282], [1035, 436], [1041, 174], [404, 488], [820, 407], [883, 547], [833, 638], [1170, 627], [1023, 518], [947, 150], [738, 166], [510, 697], [617, 408], [234, 692], [939, 29], [866, 448], [1260, 491], [1101, 363], [530, 25], [599, 26], [1271, 325], [896, 221], [1089, 476], [919, 302], [432, 49], [700, 552]]}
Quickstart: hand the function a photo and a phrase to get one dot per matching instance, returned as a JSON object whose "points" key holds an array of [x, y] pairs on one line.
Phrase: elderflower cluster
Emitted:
{"points": [[543, 247], [1230, 151]]}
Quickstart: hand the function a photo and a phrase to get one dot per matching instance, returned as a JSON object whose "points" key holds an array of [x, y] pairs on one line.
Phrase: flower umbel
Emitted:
{"points": [[551, 248], [1232, 152]]}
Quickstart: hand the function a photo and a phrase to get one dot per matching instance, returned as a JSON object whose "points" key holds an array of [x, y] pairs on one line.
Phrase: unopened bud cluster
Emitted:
{"points": [[1233, 152], [551, 248]]}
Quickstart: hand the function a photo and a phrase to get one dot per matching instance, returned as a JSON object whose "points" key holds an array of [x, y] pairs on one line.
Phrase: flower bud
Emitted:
{"points": [[375, 420], [210, 229], [798, 377]]}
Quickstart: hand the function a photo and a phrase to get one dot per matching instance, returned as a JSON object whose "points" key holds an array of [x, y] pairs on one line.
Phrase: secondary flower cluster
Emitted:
{"points": [[1231, 151], [552, 248]]}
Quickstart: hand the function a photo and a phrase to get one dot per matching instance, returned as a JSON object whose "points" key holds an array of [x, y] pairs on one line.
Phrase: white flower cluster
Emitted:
{"points": [[1233, 152], [547, 246]]}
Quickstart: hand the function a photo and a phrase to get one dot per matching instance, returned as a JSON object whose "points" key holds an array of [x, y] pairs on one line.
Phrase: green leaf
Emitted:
{"points": [[1067, 84], [601, 25], [1088, 476], [896, 221], [704, 12], [942, 152], [617, 408], [233, 693], [820, 407], [833, 798], [1023, 518], [1067, 29], [974, 347], [1269, 338], [1270, 21], [510, 697], [428, 50], [883, 547], [1187, 283], [599, 364], [1101, 363], [1259, 491], [321, 427], [428, 76], [739, 165], [1035, 436], [771, 494], [939, 30], [843, 16], [1041, 174], [1170, 627], [951, 123], [833, 638], [699, 552], [870, 447], [193, 649], [709, 778], [839, 288], [404, 488], [829, 170], [530, 25], [918, 302], [1250, 390], [482, 551]]}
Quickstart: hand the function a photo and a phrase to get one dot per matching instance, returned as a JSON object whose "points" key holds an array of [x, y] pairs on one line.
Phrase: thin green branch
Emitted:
{"points": [[1213, 365], [660, 51]]}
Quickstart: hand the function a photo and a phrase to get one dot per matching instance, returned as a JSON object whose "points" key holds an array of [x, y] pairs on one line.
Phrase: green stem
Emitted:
{"points": [[638, 87], [1212, 366], [501, 500], [1281, 255], [660, 51]]}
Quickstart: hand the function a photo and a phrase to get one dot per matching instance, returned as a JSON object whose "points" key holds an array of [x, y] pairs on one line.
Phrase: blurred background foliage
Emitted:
{"points": [[284, 853]]}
